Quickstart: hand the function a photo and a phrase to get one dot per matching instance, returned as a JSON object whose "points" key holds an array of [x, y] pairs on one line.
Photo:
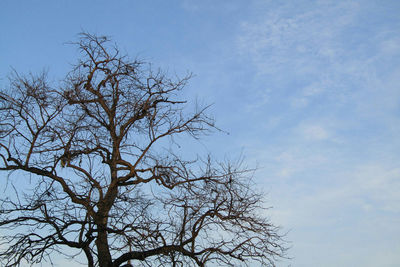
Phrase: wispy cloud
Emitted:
{"points": [[315, 132], [331, 74], [286, 34]]}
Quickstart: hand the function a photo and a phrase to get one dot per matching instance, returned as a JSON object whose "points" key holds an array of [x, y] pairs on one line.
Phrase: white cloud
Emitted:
{"points": [[332, 71], [354, 216], [390, 46], [320, 49], [285, 35], [315, 132]]}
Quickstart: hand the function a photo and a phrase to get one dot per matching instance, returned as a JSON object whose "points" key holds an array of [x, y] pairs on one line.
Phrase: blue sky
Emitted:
{"points": [[308, 90]]}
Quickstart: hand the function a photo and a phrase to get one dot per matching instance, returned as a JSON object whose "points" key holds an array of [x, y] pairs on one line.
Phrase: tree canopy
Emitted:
{"points": [[107, 180]]}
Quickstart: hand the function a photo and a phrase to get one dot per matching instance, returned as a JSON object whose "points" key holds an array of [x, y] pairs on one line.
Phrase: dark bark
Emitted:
{"points": [[103, 250]]}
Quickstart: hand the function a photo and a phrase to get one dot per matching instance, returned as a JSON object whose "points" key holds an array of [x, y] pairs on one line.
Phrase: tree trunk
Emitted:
{"points": [[103, 251]]}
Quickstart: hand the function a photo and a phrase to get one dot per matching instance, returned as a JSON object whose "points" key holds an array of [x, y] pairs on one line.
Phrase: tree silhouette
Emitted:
{"points": [[106, 180]]}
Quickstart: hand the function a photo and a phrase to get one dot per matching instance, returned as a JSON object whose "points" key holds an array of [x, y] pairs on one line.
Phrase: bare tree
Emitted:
{"points": [[105, 179]]}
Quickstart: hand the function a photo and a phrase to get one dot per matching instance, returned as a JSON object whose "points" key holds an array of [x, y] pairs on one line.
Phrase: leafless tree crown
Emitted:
{"points": [[103, 181]]}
